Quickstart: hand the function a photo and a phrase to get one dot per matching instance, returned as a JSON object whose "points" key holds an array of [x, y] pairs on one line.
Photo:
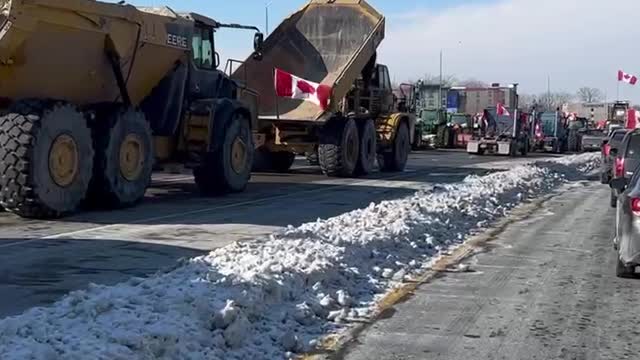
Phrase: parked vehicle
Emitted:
{"points": [[554, 135], [626, 160], [612, 142], [95, 95], [499, 134], [591, 139], [626, 241]]}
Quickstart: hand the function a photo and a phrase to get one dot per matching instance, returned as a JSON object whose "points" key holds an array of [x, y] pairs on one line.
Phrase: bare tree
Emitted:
{"points": [[544, 101], [589, 94], [473, 83]]}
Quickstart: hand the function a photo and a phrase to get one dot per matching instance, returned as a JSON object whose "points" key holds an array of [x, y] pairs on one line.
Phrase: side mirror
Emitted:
{"points": [[618, 184], [216, 58], [258, 43]]}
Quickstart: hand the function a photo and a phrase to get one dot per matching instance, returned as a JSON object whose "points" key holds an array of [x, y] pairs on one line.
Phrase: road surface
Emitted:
{"points": [[545, 288], [42, 260]]}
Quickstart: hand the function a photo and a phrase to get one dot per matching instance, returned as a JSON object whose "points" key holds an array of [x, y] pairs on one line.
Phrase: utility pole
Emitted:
{"points": [[549, 92], [266, 17], [440, 88]]}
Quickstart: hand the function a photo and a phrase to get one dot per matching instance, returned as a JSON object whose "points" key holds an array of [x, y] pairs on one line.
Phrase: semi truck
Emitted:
{"points": [[94, 95], [499, 134], [334, 44]]}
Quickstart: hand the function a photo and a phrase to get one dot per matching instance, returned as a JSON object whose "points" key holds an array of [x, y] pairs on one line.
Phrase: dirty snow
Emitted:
{"points": [[275, 297]]}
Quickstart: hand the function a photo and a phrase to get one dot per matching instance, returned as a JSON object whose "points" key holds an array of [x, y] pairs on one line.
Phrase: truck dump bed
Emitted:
{"points": [[58, 49], [327, 42]]}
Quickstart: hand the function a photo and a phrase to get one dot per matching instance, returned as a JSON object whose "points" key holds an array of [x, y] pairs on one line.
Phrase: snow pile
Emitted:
{"points": [[270, 298]]}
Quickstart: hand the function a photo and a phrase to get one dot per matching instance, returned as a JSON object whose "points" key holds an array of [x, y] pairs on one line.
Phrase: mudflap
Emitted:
{"points": [[504, 147], [473, 147]]}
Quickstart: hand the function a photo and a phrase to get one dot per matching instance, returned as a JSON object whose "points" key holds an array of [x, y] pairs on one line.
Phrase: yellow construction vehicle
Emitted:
{"points": [[333, 43], [94, 95]]}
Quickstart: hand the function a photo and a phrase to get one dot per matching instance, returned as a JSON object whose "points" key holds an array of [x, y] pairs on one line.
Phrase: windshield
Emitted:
{"points": [[459, 119]]}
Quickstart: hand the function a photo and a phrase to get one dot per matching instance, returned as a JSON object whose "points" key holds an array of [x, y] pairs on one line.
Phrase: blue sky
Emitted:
{"points": [[502, 41]]}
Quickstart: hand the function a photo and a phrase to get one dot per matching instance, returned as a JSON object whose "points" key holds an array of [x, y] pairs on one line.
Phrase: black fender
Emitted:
{"points": [[220, 112]]}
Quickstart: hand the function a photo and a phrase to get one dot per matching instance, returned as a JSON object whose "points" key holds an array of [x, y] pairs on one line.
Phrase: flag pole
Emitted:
{"points": [[275, 93]]}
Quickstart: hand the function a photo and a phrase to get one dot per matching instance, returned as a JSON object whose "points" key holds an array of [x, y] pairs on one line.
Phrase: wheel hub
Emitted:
{"points": [[63, 160], [131, 157], [238, 155]]}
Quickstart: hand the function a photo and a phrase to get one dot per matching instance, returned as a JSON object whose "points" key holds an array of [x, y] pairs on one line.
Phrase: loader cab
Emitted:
{"points": [[205, 80], [381, 91]]}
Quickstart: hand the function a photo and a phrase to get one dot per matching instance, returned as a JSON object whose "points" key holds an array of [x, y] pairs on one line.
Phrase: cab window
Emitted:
{"points": [[633, 148], [202, 48]]}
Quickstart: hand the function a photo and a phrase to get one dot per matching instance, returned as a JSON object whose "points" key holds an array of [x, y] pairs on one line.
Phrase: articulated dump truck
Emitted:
{"points": [[333, 43], [94, 95]]}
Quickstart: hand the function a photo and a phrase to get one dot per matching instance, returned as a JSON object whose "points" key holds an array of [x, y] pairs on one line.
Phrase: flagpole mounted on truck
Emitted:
{"points": [[334, 101]]}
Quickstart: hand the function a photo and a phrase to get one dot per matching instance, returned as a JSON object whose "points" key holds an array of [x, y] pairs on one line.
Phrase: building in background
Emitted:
{"points": [[475, 100]]}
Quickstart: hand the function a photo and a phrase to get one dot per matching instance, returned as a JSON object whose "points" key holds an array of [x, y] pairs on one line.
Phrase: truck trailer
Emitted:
{"points": [[94, 95], [332, 43]]}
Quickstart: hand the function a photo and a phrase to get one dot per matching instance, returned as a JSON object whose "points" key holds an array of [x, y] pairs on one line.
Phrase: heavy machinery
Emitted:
{"points": [[431, 115], [332, 43], [94, 95], [554, 134], [499, 134]]}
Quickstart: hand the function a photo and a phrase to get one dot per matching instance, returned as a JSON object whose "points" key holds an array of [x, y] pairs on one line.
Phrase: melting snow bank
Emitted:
{"points": [[270, 298]]}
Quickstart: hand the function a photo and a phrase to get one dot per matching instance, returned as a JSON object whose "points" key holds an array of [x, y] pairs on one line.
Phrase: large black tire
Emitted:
{"points": [[417, 140], [573, 141], [623, 271], [339, 148], [440, 140], [396, 159], [524, 150], [217, 174], [312, 157], [46, 160], [124, 160], [368, 147]]}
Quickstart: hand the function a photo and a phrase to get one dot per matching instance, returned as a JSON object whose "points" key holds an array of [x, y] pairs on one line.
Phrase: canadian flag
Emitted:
{"points": [[628, 78], [633, 117], [501, 110], [291, 86]]}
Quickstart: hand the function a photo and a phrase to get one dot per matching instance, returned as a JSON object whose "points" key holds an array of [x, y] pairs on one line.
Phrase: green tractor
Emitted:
{"points": [[431, 115]]}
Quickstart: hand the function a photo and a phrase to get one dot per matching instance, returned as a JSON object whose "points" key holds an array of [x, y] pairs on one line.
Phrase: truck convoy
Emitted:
{"points": [[94, 95], [141, 90], [332, 43]]}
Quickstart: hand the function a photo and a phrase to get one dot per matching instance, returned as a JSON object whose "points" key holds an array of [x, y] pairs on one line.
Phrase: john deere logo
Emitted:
{"points": [[177, 41]]}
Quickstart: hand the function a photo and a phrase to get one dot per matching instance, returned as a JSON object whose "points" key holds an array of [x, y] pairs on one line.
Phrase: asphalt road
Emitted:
{"points": [[42, 260], [545, 288]]}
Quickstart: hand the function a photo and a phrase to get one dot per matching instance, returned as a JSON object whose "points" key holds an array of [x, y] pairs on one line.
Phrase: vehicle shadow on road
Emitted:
{"points": [[271, 199], [36, 273]]}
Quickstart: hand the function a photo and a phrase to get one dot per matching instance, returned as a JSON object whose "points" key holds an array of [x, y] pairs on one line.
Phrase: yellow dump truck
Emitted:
{"points": [[334, 43], [94, 95]]}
